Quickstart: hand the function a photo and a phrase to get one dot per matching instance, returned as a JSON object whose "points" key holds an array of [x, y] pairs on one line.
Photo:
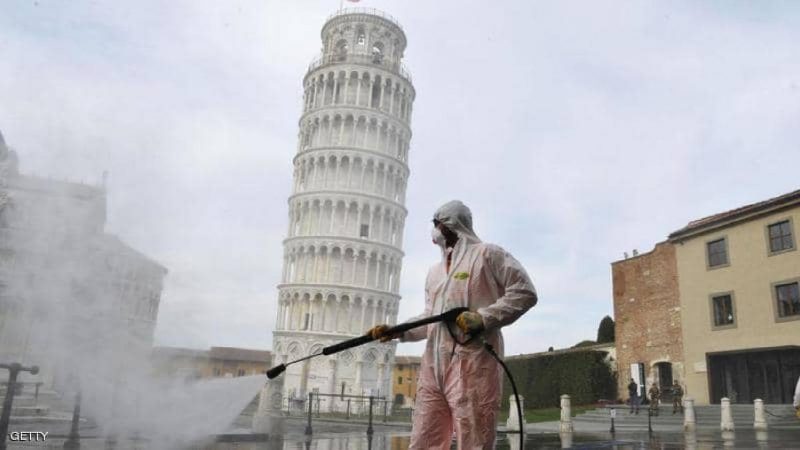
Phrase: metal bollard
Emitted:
{"points": [[13, 370], [74, 439], [613, 413], [369, 429], [310, 410]]}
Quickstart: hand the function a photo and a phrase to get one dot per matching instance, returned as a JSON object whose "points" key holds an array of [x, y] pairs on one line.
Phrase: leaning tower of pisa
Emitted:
{"points": [[343, 252]]}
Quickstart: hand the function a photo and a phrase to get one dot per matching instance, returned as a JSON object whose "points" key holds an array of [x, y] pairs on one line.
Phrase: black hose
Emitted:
{"points": [[491, 351]]}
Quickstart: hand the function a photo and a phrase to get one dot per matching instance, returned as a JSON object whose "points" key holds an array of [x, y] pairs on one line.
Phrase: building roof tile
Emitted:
{"points": [[736, 213]]}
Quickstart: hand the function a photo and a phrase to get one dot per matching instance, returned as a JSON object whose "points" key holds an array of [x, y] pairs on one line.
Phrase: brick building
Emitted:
{"points": [[648, 322]]}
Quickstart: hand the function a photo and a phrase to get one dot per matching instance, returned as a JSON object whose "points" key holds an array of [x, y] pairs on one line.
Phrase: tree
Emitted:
{"points": [[605, 332]]}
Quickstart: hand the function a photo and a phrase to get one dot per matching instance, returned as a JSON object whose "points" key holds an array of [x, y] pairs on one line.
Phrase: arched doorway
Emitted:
{"points": [[664, 373]]}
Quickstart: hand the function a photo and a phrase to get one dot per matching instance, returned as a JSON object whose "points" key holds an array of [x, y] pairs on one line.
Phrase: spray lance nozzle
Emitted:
{"points": [[447, 316], [275, 371]]}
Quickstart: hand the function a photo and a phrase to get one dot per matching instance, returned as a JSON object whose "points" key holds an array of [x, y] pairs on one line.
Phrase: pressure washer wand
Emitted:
{"points": [[447, 316]]}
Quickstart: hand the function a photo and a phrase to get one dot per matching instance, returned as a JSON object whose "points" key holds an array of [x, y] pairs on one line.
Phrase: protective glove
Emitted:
{"points": [[470, 322], [378, 332]]}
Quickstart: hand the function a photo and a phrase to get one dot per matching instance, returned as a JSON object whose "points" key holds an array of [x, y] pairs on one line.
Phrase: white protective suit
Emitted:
{"points": [[796, 400], [459, 386]]}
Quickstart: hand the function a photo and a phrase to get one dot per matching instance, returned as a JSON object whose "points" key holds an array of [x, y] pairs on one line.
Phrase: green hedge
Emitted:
{"points": [[542, 379]]}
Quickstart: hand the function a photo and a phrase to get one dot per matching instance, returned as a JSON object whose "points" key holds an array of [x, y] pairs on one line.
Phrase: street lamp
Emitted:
{"points": [[13, 370], [73, 441]]}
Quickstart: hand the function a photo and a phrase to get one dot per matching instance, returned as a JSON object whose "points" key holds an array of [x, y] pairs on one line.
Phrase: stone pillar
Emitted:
{"points": [[381, 373], [566, 414], [726, 422], [760, 421], [336, 90], [371, 88], [348, 183], [332, 387], [322, 204], [359, 366], [377, 283], [512, 424], [269, 418], [355, 268], [322, 314], [367, 258], [358, 90], [689, 423]]}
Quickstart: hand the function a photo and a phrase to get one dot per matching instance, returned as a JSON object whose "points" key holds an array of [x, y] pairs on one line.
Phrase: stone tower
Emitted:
{"points": [[342, 255]]}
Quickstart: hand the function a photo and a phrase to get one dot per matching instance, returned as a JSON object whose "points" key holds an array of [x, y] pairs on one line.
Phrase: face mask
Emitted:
{"points": [[438, 237]]}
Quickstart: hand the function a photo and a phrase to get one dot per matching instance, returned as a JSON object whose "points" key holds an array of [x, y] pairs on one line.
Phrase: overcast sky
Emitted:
{"points": [[574, 130]]}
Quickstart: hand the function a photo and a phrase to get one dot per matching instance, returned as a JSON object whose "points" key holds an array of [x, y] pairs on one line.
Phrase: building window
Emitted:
{"points": [[717, 253], [305, 321], [399, 380], [780, 236], [364, 231], [787, 296], [722, 306]]}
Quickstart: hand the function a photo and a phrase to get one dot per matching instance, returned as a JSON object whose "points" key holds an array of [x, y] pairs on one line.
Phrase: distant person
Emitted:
{"points": [[633, 393], [677, 397], [655, 396]]}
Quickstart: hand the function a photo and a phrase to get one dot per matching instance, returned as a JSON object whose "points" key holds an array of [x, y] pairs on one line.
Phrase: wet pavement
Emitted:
{"points": [[620, 441], [345, 435], [701, 440]]}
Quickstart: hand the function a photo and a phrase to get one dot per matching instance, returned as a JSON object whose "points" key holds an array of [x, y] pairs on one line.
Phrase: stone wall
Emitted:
{"points": [[647, 314]]}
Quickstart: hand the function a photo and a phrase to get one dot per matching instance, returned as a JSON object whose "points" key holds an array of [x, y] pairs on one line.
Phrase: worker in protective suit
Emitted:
{"points": [[459, 381]]}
